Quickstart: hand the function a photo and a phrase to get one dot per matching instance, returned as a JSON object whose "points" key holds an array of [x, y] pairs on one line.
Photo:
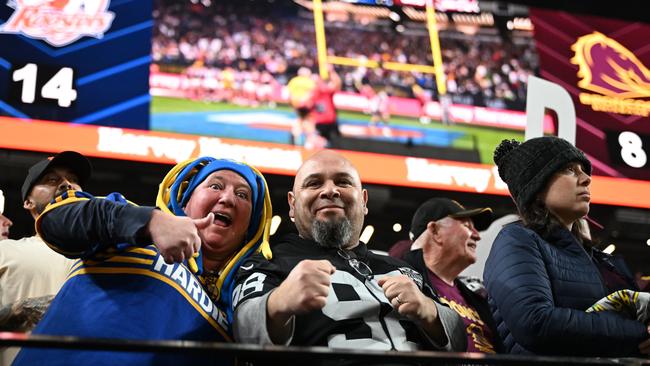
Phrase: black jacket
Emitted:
{"points": [[539, 291], [416, 259]]}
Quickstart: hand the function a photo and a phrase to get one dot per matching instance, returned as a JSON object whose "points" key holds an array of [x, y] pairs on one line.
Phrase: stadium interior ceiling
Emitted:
{"points": [[623, 9], [627, 228]]}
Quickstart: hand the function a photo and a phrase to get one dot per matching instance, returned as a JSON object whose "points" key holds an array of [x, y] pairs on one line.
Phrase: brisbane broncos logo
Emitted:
{"points": [[608, 68], [59, 22]]}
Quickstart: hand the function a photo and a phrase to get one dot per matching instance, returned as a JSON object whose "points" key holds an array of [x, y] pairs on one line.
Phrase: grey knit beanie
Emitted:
{"points": [[527, 167]]}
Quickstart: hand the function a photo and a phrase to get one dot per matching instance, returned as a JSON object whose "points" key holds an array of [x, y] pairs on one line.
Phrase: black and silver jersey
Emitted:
{"points": [[357, 314]]}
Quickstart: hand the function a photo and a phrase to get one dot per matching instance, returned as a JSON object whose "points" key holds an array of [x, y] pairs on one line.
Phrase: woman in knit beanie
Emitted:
{"points": [[542, 273], [527, 168]]}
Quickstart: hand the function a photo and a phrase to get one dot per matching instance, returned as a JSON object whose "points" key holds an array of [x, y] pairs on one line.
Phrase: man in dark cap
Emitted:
{"points": [[445, 236], [30, 272], [28, 267], [51, 177]]}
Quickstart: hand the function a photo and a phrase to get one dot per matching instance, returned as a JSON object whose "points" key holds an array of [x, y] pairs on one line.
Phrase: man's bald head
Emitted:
{"points": [[326, 196], [322, 159]]}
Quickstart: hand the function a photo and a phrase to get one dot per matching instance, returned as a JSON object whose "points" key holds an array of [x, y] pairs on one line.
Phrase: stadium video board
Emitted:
{"points": [[169, 80], [78, 61], [603, 64]]}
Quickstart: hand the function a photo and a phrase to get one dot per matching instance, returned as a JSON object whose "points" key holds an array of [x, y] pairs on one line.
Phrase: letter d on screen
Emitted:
{"points": [[543, 94]]}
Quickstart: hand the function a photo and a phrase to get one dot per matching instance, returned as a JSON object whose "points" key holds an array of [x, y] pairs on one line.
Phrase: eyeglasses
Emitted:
{"points": [[356, 264]]}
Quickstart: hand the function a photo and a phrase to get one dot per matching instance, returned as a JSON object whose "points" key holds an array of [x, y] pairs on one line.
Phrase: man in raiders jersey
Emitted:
{"points": [[324, 288]]}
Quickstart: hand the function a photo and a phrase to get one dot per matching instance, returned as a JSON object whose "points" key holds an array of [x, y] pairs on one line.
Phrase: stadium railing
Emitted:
{"points": [[271, 354]]}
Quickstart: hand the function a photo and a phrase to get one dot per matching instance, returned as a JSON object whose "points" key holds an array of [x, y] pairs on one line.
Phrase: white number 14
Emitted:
{"points": [[59, 87]]}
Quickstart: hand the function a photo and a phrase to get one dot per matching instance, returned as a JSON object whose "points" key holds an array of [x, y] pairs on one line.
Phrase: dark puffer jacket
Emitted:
{"points": [[539, 291]]}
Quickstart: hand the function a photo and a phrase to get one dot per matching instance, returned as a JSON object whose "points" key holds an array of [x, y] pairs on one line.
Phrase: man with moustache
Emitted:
{"points": [[30, 272], [324, 288], [28, 268]]}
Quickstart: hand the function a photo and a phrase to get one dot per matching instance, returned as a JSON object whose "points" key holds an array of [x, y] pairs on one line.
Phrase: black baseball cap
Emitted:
{"points": [[437, 208], [72, 160]]}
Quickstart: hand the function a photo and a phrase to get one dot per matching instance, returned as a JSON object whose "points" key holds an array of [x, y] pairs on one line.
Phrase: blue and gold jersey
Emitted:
{"points": [[148, 262], [128, 292], [122, 288], [133, 294]]}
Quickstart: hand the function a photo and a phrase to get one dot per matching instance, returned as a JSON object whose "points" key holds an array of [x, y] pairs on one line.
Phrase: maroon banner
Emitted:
{"points": [[602, 63]]}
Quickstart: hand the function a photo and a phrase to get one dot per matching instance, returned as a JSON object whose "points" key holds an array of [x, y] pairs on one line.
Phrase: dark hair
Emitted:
{"points": [[538, 218]]}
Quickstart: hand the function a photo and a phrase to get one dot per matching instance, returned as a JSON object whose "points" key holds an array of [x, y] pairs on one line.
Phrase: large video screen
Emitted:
{"points": [[249, 70], [419, 98]]}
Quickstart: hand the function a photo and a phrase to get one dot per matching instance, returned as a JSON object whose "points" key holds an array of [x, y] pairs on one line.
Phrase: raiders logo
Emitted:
{"points": [[412, 274]]}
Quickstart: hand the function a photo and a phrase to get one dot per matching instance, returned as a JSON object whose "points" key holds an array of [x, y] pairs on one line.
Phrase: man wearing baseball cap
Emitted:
{"points": [[30, 272], [445, 236], [51, 177]]}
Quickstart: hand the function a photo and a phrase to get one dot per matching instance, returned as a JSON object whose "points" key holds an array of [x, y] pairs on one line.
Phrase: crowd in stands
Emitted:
{"points": [[255, 42], [203, 266]]}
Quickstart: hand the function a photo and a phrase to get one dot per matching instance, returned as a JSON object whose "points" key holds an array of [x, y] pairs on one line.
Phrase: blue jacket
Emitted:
{"points": [[539, 291]]}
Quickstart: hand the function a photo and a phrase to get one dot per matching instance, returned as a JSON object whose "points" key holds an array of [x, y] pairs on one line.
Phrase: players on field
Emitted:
{"points": [[300, 89], [323, 114]]}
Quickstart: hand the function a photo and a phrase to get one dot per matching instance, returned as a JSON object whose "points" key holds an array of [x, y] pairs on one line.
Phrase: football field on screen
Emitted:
{"points": [[273, 124]]}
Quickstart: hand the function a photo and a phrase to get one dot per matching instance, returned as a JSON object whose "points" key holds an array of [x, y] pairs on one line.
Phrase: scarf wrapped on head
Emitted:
{"points": [[177, 188]]}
